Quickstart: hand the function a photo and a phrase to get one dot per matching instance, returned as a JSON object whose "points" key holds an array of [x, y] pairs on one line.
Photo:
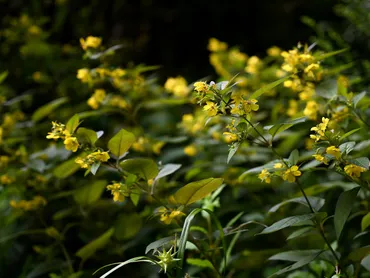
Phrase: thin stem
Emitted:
{"points": [[68, 258]]}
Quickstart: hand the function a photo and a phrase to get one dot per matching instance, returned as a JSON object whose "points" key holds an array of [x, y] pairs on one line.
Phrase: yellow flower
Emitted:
{"points": [[201, 87], [157, 147], [99, 94], [250, 105], [71, 144], [83, 74], [168, 215], [82, 162], [118, 73], [6, 179], [230, 137], [320, 158], [252, 65], [265, 176], [334, 151], [190, 150], [211, 108], [116, 192], [100, 156], [320, 129], [293, 108], [278, 165], [308, 92], [34, 30], [309, 69], [215, 45], [178, 86], [291, 173], [353, 170], [119, 102], [93, 103], [311, 110], [93, 42], [273, 51]]}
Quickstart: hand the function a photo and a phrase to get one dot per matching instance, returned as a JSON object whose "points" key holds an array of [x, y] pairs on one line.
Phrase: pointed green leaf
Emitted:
{"points": [[89, 193], [268, 87], [315, 202], [167, 169], [144, 167], [66, 169], [73, 123], [356, 99], [348, 134], [89, 249], [293, 158], [277, 128], [293, 256], [3, 75], [343, 209], [159, 243], [121, 142], [302, 262], [196, 191], [86, 136], [199, 263], [47, 109], [233, 149], [361, 161], [365, 222], [287, 222], [127, 226], [327, 55], [301, 232], [358, 254]]}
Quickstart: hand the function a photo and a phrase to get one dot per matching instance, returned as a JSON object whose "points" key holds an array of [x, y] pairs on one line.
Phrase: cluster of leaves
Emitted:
{"points": [[272, 159]]}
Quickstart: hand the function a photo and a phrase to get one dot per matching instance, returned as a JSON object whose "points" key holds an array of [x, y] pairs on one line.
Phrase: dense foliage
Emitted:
{"points": [[259, 173]]}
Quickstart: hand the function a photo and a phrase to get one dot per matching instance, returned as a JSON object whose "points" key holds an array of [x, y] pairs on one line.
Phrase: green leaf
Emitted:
{"points": [[199, 263], [66, 169], [127, 226], [185, 232], [141, 259], [47, 109], [159, 243], [327, 55], [287, 222], [268, 87], [348, 134], [144, 167], [347, 147], [233, 149], [121, 142], [167, 169], [294, 256], [356, 99], [89, 249], [86, 136], [196, 191], [89, 193], [301, 232], [316, 203], [135, 196], [276, 129], [3, 75], [293, 158], [358, 254], [302, 262], [343, 209], [365, 222], [366, 262], [94, 168], [73, 123]]}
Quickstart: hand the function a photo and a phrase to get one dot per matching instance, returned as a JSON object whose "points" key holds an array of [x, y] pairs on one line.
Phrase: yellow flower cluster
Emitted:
{"points": [[201, 87], [34, 204], [6, 179], [97, 98], [190, 150], [241, 106], [193, 124], [289, 174], [146, 145], [168, 215], [84, 75], [253, 65], [320, 130], [119, 191], [353, 170], [90, 42], [214, 45], [58, 131], [90, 159], [118, 101], [178, 86]]}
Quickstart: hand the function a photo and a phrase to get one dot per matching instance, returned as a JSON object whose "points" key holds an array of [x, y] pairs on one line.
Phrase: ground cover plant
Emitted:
{"points": [[259, 172]]}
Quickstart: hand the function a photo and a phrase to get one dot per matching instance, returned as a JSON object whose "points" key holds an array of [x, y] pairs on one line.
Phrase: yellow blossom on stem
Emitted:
{"points": [[211, 108], [90, 41], [321, 158], [311, 110], [178, 86], [115, 189], [278, 165], [83, 75], [168, 215], [190, 150], [291, 174], [201, 87], [250, 105], [274, 51], [320, 129], [6, 179], [265, 176], [353, 170], [230, 137], [215, 45], [334, 151], [71, 144]]}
